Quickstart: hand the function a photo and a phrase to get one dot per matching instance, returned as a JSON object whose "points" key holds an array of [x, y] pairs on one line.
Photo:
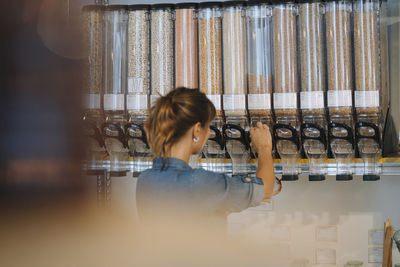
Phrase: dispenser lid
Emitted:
{"points": [[139, 7], [186, 5], [234, 3], [210, 4], [162, 6]]}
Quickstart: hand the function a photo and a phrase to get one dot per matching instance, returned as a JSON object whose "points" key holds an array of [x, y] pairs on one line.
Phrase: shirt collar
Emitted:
{"points": [[171, 163]]}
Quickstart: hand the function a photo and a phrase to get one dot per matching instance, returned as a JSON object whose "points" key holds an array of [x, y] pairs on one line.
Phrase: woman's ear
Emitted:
{"points": [[196, 130]]}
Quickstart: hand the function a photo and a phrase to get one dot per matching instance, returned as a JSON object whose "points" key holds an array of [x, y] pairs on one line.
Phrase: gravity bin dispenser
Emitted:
{"points": [[115, 81], [259, 62], [210, 78], [235, 86], [368, 81], [138, 94], [312, 95], [286, 129], [93, 116], [340, 86]]}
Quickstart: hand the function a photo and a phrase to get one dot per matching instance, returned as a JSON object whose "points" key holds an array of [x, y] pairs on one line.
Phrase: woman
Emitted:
{"points": [[178, 127]]}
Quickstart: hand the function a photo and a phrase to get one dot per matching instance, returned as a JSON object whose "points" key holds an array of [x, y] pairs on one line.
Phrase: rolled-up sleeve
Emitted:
{"points": [[225, 193]]}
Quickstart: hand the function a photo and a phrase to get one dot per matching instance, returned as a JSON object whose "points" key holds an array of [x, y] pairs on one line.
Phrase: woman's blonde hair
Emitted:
{"points": [[173, 115]]}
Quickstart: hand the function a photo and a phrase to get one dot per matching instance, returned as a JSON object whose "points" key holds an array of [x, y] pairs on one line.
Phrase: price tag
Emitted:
{"points": [[339, 99], [259, 101], [285, 100], [136, 102], [312, 100], [114, 102], [366, 99], [234, 102], [216, 100], [92, 101]]}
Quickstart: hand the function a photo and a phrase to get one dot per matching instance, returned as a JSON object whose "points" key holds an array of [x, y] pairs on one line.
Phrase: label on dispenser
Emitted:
{"points": [[153, 99], [234, 102], [259, 101], [135, 85], [285, 100], [136, 102], [339, 98], [366, 99], [114, 102], [92, 101], [312, 100], [216, 100]]}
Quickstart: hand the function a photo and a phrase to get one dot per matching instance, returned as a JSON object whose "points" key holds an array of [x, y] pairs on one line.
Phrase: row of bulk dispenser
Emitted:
{"points": [[314, 71]]}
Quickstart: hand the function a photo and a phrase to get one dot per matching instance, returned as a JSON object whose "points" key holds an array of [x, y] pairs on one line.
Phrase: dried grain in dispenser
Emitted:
{"points": [[93, 19], [210, 52], [285, 59], [138, 61], [312, 58], [367, 56], [186, 55], [234, 59], [162, 50], [339, 57]]}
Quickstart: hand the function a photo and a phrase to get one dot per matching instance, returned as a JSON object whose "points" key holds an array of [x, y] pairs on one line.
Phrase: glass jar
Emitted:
{"points": [[186, 55], [285, 59], [210, 52], [115, 63], [234, 59], [162, 50], [259, 59], [93, 19], [138, 61]]}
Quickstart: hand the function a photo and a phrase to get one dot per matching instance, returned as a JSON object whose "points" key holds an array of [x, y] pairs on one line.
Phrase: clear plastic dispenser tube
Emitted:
{"points": [[93, 89], [313, 90], [115, 82], [340, 85], [186, 52], [162, 50], [368, 94], [138, 94], [235, 84], [210, 77], [259, 62], [286, 129]]}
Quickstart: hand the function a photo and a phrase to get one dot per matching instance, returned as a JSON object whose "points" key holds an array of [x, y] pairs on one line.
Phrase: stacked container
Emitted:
{"points": [[137, 99], [93, 18], [312, 96], [162, 50], [235, 84], [286, 87], [210, 75], [115, 82], [340, 85], [186, 43], [368, 84]]}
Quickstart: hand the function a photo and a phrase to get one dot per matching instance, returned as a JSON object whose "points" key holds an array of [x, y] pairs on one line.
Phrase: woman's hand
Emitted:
{"points": [[261, 139]]}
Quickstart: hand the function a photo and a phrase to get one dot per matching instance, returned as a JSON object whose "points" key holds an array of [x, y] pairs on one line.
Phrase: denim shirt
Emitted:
{"points": [[180, 188]]}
